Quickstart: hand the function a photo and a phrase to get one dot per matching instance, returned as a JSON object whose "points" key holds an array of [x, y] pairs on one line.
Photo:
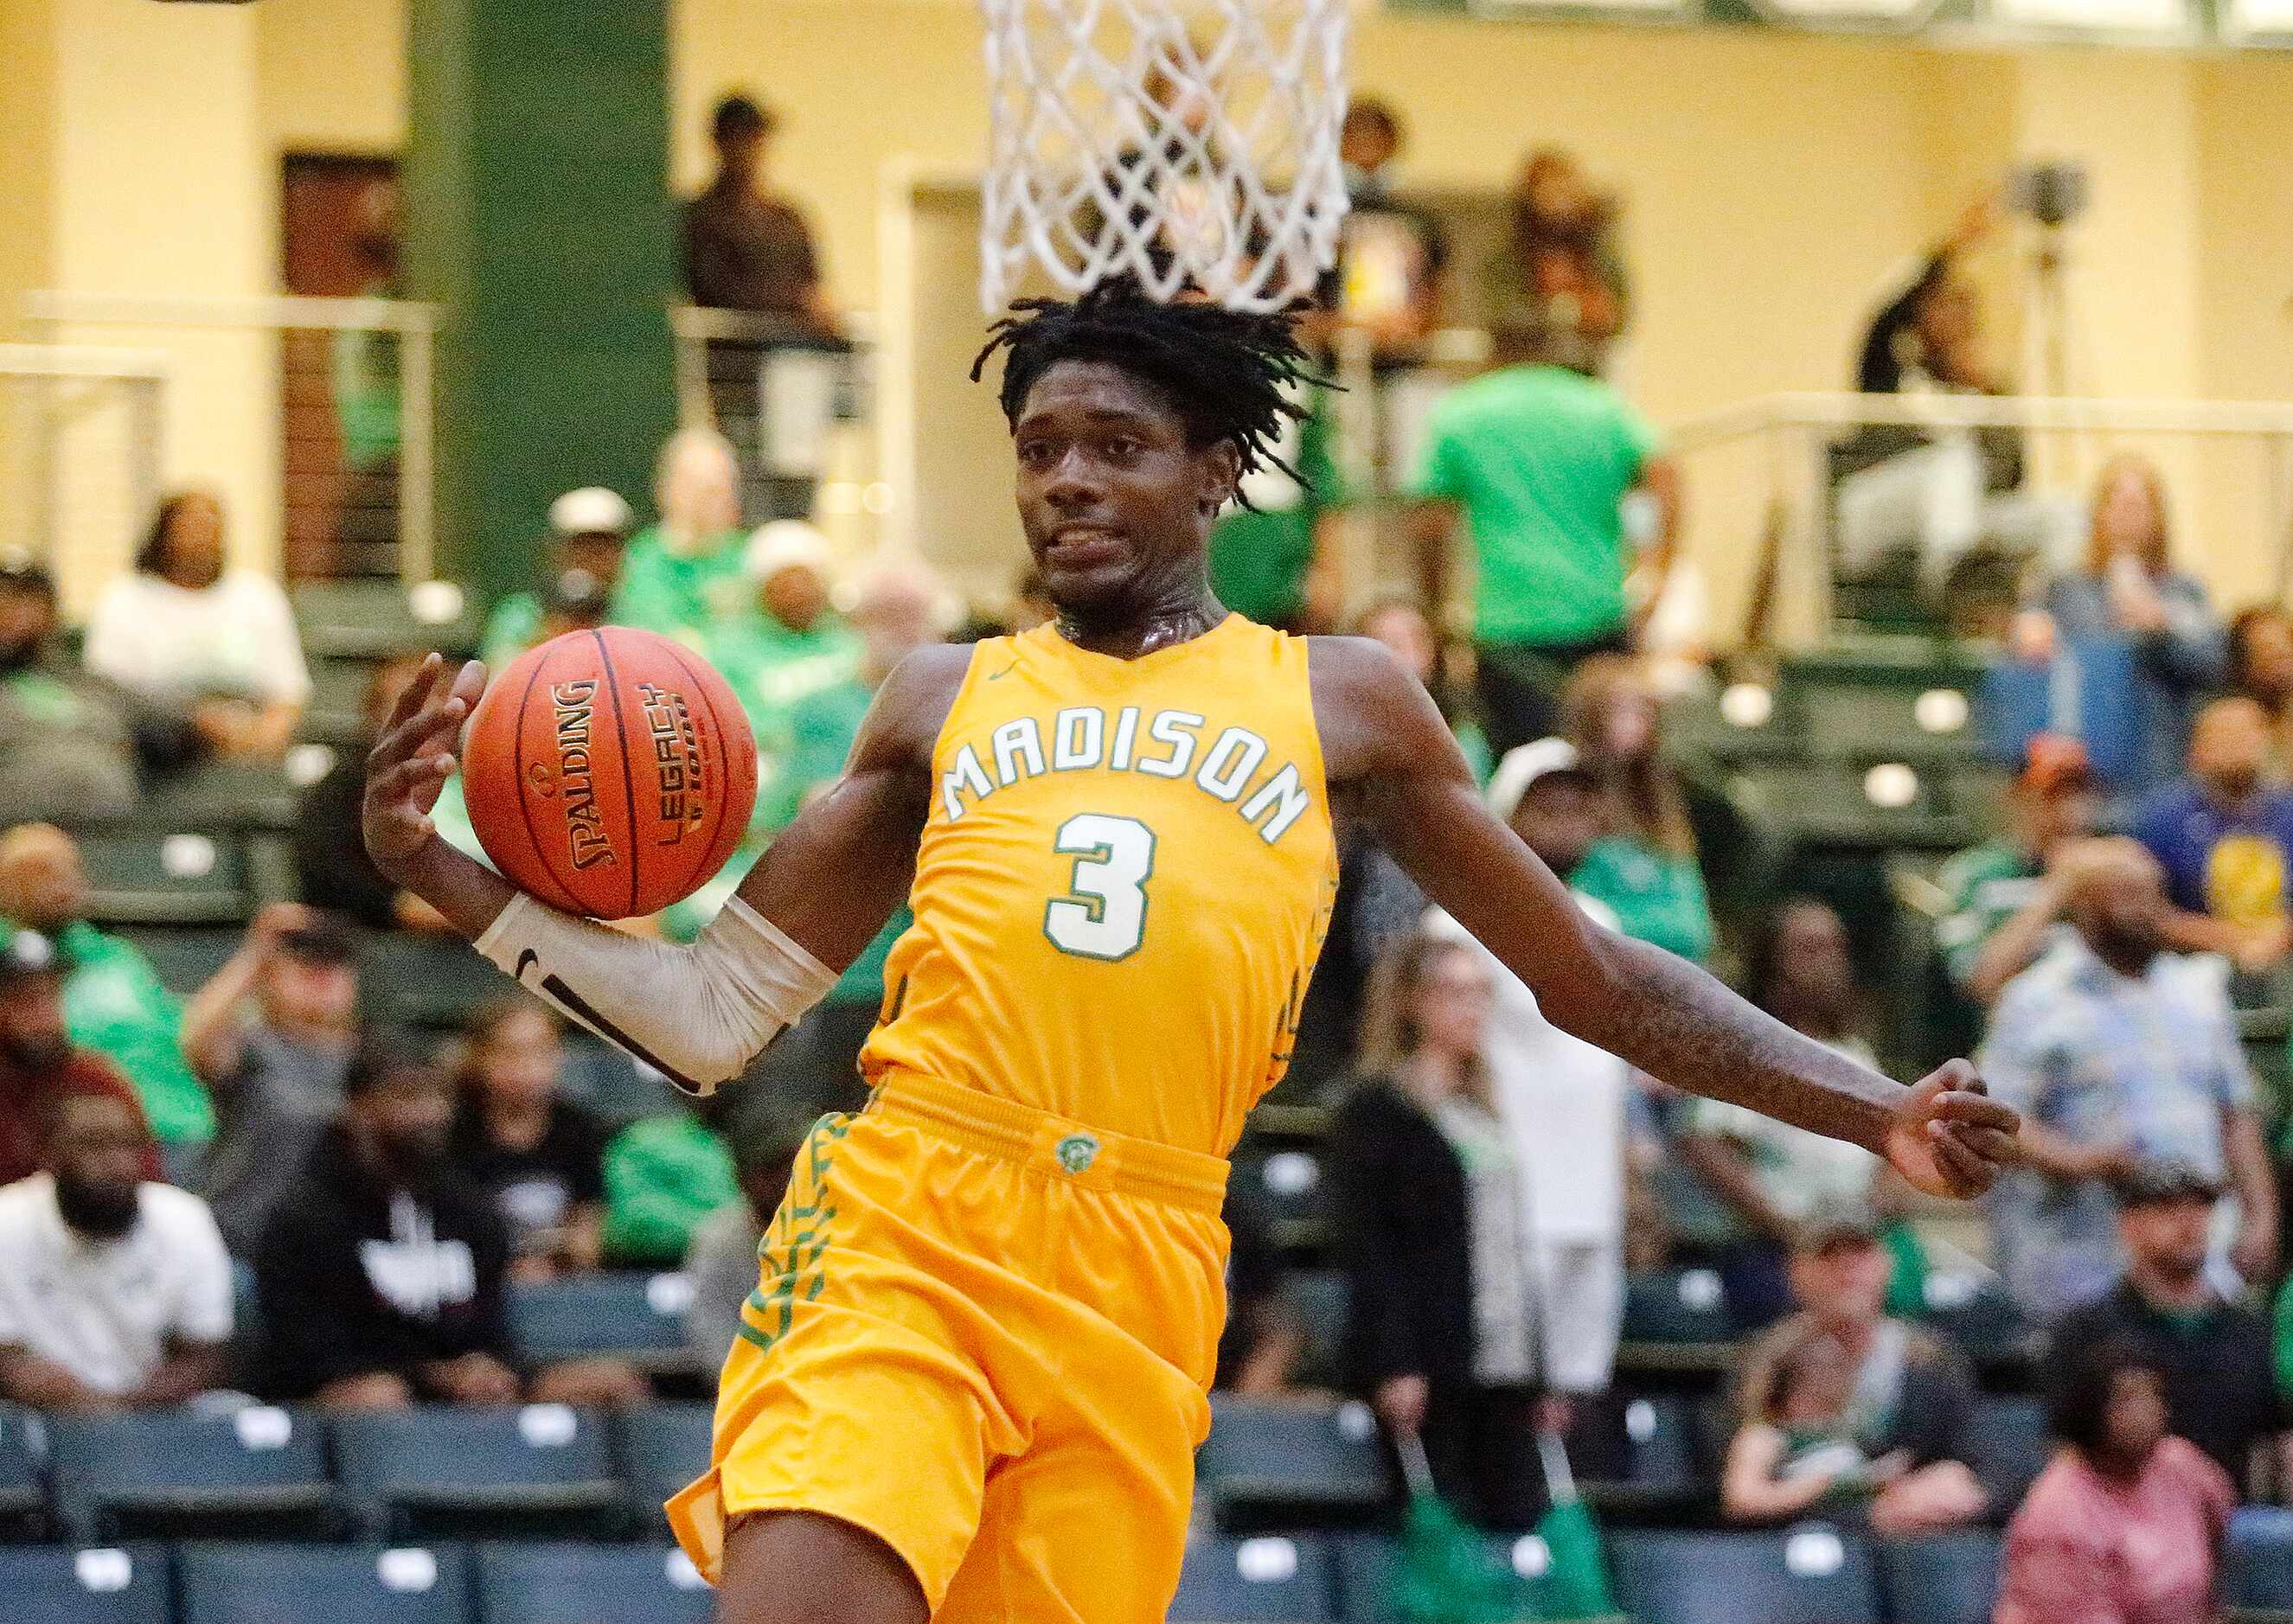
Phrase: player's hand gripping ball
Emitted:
{"points": [[608, 772]]}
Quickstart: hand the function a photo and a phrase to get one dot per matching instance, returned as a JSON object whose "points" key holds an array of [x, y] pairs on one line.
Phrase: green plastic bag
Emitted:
{"points": [[1575, 1584], [1452, 1573]]}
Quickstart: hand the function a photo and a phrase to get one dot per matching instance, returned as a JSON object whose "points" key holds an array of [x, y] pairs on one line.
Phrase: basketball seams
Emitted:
{"points": [[628, 778], [724, 757], [566, 897]]}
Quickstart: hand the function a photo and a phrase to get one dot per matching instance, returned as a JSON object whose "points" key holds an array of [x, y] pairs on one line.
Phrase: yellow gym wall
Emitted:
{"points": [[1772, 181]]}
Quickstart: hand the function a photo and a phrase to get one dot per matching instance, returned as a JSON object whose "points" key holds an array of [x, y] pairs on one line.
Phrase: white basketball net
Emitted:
{"points": [[1186, 142]]}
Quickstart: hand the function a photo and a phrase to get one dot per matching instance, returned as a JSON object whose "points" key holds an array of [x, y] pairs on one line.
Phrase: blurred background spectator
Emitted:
{"points": [[1930, 334], [363, 368], [747, 247], [2127, 1520], [382, 1273], [901, 607], [2006, 897], [2211, 1355], [1537, 458], [1432, 1236], [332, 870], [664, 1173], [682, 577], [271, 1035], [1390, 257], [2225, 838], [1646, 866], [720, 1259], [183, 629], [1263, 1347], [115, 1004], [1275, 555], [114, 1292], [1561, 1101], [1841, 1371], [1560, 273], [39, 1067], [71, 742], [787, 641], [1768, 1175], [2117, 1052], [540, 1156], [588, 529], [2260, 652], [2125, 646]]}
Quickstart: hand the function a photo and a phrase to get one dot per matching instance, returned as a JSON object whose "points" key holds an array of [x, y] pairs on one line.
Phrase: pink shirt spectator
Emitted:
{"points": [[2086, 1550]]}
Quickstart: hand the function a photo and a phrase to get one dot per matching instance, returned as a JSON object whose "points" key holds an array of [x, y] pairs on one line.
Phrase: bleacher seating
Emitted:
{"points": [[533, 1469], [663, 1447], [249, 1583], [99, 1585], [171, 1471], [24, 1505], [2007, 1440], [1270, 1463], [2260, 1560], [1266, 1576], [589, 1584], [1811, 1574], [172, 874], [1660, 1459], [1677, 1316], [1941, 1579], [372, 619], [637, 1317]]}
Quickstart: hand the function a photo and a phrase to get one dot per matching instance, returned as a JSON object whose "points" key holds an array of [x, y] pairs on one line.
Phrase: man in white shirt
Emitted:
{"points": [[1562, 1101], [115, 1294]]}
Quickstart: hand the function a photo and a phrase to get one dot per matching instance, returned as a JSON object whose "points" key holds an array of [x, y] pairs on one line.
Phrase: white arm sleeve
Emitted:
{"points": [[697, 1014]]}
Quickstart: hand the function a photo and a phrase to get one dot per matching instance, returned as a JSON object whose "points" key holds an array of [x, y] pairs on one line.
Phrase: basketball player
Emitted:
{"points": [[972, 1381]]}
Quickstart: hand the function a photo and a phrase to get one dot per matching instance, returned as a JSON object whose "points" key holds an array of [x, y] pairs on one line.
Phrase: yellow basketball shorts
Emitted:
{"points": [[986, 1335]]}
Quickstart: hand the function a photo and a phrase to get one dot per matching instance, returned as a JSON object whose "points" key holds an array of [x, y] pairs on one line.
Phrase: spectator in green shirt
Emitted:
{"points": [[1273, 555], [1538, 459], [2004, 902], [588, 529], [114, 1001], [663, 1175], [787, 642], [1647, 864], [682, 577]]}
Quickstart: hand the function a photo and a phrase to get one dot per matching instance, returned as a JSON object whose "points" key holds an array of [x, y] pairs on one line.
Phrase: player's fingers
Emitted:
{"points": [[420, 732], [1966, 1173], [1963, 1108], [469, 684], [416, 692], [408, 777], [1988, 1143]]}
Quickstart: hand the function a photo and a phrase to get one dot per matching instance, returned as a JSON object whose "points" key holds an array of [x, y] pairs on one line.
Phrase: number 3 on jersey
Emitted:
{"points": [[1104, 914]]}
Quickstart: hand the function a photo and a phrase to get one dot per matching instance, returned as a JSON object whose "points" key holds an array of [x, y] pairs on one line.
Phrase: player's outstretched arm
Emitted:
{"points": [[700, 1012], [1388, 750]]}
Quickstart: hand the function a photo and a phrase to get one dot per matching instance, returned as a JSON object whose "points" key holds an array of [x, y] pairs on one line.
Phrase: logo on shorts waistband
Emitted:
{"points": [[1077, 1153]]}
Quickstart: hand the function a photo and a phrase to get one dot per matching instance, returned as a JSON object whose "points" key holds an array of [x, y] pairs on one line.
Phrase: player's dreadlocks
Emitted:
{"points": [[1224, 370]]}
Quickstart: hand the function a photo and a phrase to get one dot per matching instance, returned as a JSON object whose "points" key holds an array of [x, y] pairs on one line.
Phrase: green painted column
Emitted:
{"points": [[538, 215]]}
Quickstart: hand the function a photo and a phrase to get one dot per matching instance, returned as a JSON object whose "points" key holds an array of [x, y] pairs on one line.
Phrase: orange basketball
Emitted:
{"points": [[608, 772]]}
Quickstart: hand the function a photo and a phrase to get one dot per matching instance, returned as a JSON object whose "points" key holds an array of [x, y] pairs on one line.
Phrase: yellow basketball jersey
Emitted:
{"points": [[1123, 884]]}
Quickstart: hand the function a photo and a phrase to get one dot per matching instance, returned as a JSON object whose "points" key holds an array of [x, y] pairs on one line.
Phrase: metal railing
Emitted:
{"points": [[80, 431], [1810, 513], [1815, 511], [321, 408], [798, 402]]}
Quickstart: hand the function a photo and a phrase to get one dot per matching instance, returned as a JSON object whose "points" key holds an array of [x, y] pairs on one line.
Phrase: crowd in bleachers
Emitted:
{"points": [[293, 1203]]}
